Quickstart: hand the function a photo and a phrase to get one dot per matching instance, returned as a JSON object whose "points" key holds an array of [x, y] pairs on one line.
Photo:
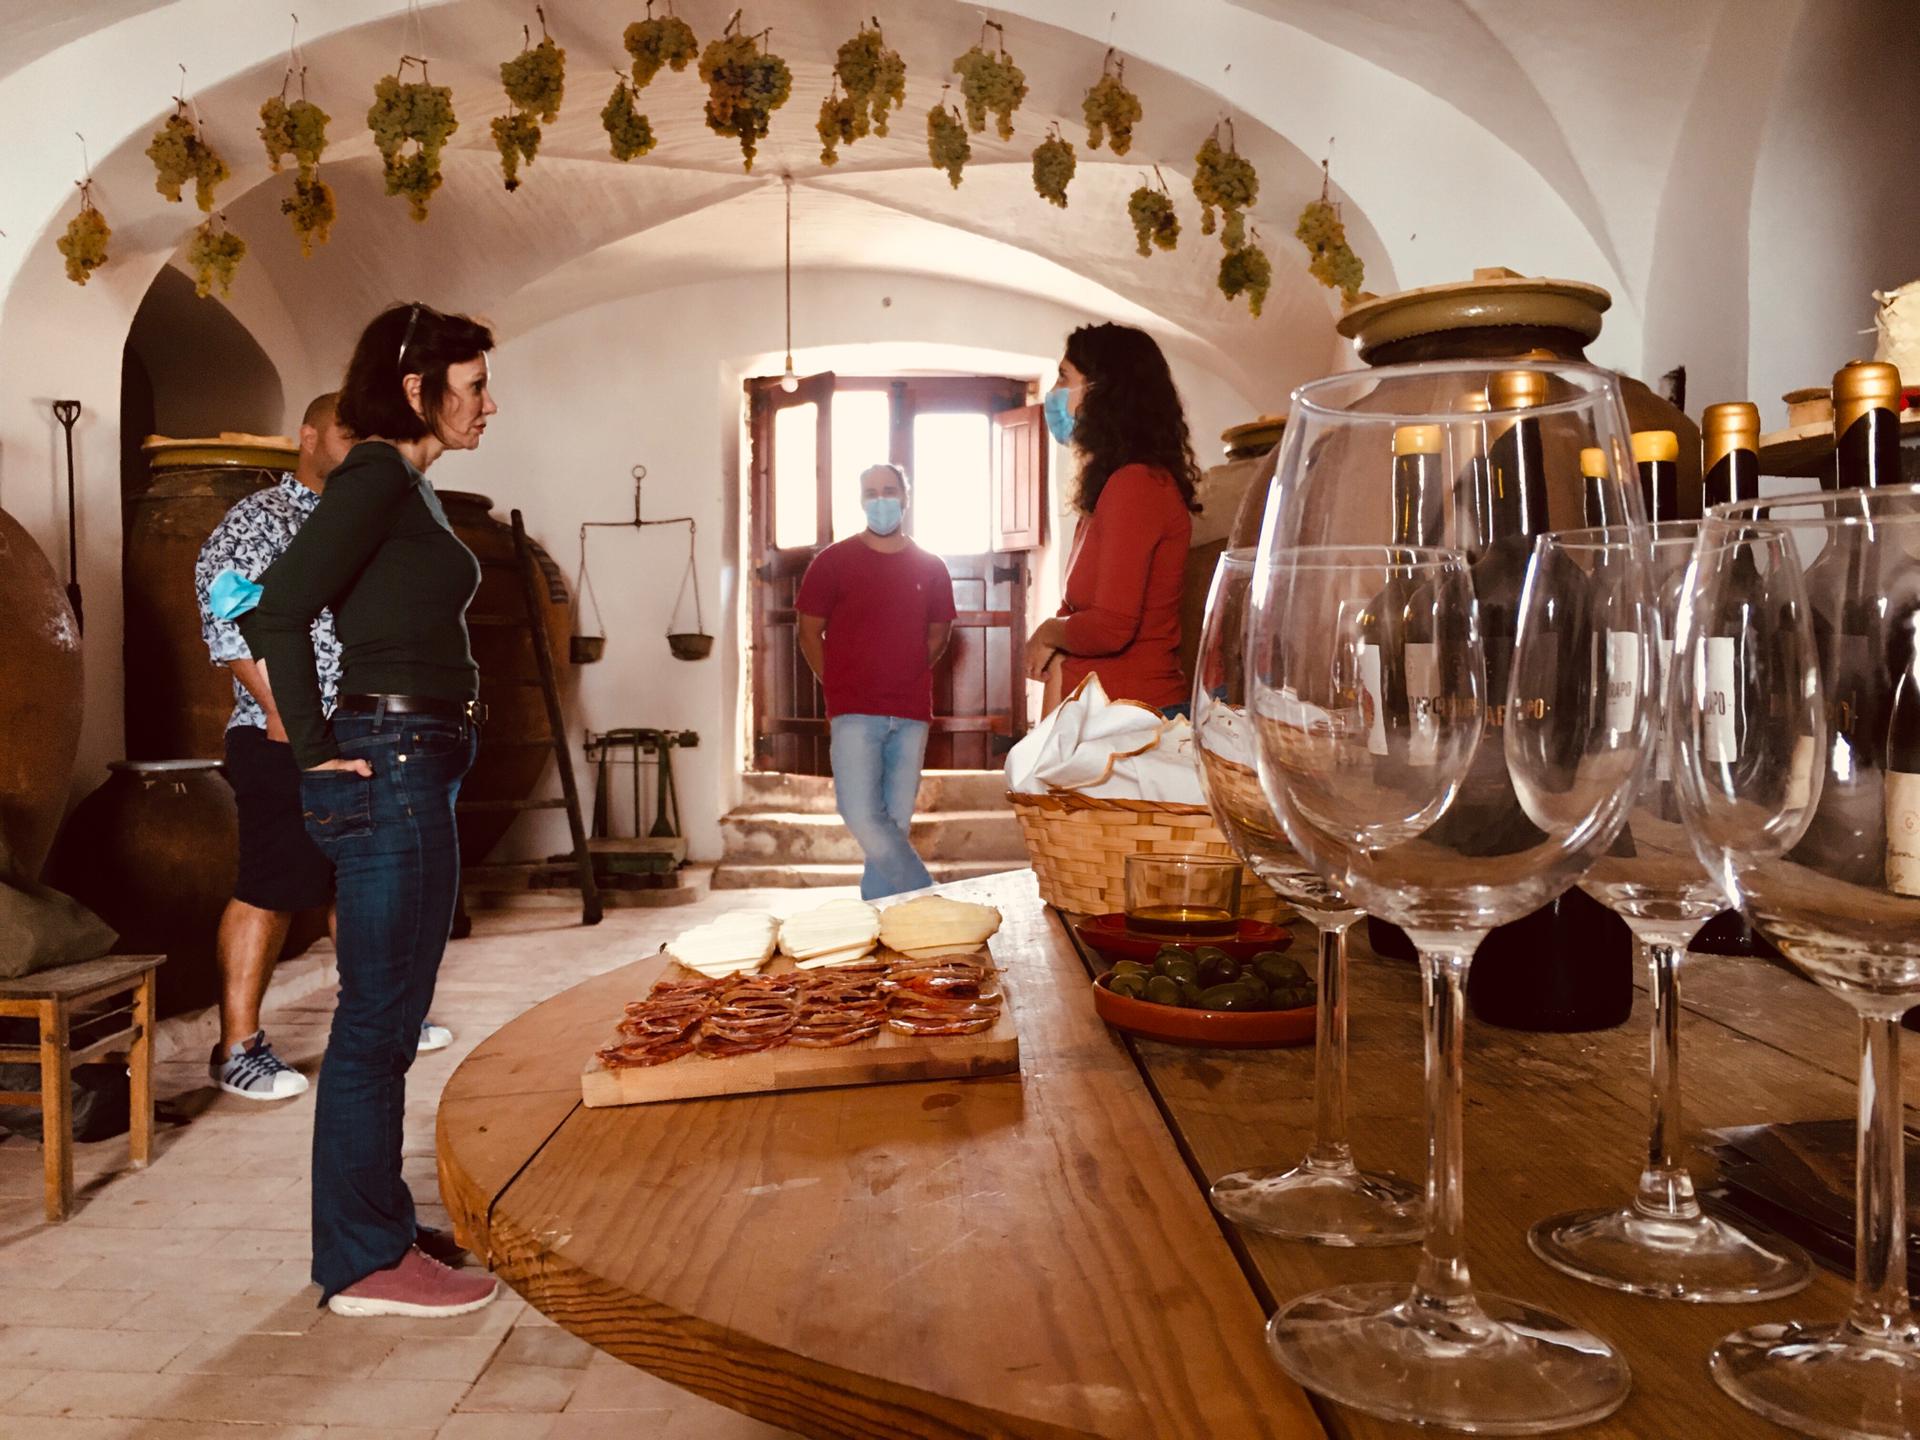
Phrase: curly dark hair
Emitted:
{"points": [[406, 340], [1130, 412]]}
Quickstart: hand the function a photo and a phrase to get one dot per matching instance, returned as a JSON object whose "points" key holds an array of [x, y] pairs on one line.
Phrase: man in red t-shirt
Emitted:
{"points": [[875, 613]]}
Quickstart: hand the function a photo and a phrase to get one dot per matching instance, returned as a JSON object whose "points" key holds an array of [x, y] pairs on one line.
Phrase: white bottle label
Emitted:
{"points": [[1903, 833], [1713, 683], [1423, 683], [1373, 710], [1622, 679]]}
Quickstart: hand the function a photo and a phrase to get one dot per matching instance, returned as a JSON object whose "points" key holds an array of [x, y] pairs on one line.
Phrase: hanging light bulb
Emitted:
{"points": [[789, 381]]}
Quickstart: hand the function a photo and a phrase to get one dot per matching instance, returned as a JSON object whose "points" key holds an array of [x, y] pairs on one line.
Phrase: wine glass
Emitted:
{"points": [[1325, 1199], [1661, 1243], [1811, 825], [1424, 738]]}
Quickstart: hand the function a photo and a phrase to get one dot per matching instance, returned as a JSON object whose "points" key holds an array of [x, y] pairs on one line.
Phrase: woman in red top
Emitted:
{"points": [[1120, 619]]}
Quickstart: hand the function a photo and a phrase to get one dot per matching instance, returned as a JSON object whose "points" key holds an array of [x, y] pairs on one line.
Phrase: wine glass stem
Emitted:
{"points": [[1666, 1188], [1330, 1149], [1444, 1283], [1881, 1306]]}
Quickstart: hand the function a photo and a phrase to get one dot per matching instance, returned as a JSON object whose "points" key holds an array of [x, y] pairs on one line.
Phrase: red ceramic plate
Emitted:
{"points": [[1223, 1029], [1110, 936]]}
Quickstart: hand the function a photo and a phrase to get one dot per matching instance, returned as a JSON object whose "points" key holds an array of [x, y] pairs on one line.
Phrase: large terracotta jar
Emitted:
{"points": [[511, 759], [40, 694], [177, 701], [152, 853]]}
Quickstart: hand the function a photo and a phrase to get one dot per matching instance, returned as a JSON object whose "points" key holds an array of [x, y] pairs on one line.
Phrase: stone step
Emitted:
{"points": [[753, 876], [804, 838], [940, 790]]}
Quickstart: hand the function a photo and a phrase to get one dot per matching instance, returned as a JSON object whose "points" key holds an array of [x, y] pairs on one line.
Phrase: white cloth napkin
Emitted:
{"points": [[1113, 749]]}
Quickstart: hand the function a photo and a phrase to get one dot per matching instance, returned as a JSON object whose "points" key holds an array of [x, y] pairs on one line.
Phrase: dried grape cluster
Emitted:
{"points": [[745, 85], [629, 133], [536, 79], [85, 243], [415, 113], [654, 45], [947, 143], [1333, 264], [991, 83], [1246, 269], [1053, 167], [1224, 181], [310, 208], [299, 129], [215, 254], [516, 135], [1112, 110], [180, 152], [1154, 220], [835, 126], [874, 77]]}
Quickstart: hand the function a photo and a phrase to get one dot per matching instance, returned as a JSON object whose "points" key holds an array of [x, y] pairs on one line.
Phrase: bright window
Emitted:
{"points": [[952, 482], [862, 429], [795, 446]]}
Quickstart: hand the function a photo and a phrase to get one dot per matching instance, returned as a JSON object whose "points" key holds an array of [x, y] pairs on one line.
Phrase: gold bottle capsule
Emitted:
{"points": [[1860, 386], [1593, 463], [1725, 428], [1517, 389], [1416, 440], [1653, 445]]}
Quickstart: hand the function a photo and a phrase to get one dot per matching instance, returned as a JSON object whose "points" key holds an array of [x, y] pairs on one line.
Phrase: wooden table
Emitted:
{"points": [[1033, 1255]]}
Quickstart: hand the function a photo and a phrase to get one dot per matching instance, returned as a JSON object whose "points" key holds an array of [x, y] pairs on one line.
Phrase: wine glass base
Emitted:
{"points": [[1706, 1260], [1824, 1380], [1501, 1369], [1323, 1205]]}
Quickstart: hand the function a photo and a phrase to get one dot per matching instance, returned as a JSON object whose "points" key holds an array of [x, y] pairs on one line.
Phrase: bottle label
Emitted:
{"points": [[1800, 774], [1623, 679], [1903, 833], [1373, 711], [1713, 682], [1423, 684]]}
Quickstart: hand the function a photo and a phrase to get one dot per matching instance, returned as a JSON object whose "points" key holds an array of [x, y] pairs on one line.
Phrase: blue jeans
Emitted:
{"points": [[396, 860], [876, 774]]}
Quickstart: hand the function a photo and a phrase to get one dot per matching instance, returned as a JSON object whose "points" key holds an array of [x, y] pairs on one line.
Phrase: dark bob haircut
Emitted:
{"points": [[1130, 413], [406, 340]]}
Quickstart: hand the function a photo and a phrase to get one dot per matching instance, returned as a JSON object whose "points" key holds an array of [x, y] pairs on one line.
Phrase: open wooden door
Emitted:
{"points": [[790, 519]]}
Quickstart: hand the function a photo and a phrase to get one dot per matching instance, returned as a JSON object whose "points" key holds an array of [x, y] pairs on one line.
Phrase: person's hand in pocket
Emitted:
{"points": [[352, 767]]}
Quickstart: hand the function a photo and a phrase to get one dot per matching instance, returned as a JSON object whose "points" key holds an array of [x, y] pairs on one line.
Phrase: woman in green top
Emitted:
{"points": [[380, 776]]}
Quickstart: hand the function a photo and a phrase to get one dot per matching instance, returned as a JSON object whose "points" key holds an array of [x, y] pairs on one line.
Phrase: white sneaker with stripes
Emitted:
{"points": [[253, 1072]]}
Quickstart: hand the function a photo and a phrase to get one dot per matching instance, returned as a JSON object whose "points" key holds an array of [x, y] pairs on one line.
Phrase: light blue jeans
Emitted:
{"points": [[876, 775]]}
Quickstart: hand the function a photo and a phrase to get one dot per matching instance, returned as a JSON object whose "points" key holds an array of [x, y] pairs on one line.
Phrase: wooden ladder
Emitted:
{"points": [[556, 736]]}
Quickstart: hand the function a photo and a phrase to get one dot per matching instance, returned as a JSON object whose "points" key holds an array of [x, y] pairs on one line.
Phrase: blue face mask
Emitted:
{"points": [[1059, 416], [883, 513]]}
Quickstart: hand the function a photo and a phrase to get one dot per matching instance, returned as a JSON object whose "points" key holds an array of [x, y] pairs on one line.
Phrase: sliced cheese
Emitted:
{"points": [[934, 924], [852, 955], [739, 940], [835, 926]]}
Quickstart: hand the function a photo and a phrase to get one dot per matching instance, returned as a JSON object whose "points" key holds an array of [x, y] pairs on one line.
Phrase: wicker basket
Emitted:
{"points": [[1079, 847]]}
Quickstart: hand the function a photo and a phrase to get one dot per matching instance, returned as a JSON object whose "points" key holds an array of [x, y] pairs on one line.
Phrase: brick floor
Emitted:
{"points": [[174, 1305]]}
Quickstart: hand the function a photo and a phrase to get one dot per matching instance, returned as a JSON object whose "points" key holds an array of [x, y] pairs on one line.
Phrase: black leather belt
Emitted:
{"points": [[474, 712]]}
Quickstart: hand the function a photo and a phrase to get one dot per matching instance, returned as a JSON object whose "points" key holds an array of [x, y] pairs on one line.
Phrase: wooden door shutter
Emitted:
{"points": [[1020, 478]]}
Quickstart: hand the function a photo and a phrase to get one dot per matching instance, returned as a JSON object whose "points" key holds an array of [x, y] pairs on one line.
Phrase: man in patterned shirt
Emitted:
{"points": [[281, 870]]}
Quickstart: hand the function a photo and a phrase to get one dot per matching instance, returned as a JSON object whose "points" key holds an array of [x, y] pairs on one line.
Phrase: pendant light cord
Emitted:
{"points": [[788, 182]]}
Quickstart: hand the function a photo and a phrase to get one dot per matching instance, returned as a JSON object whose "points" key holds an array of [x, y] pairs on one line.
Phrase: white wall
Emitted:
{"points": [[655, 379]]}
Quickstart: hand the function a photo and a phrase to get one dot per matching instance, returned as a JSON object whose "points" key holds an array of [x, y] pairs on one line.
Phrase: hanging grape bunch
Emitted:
{"points": [[874, 77], [1154, 220], [654, 45], [1053, 167], [835, 126], [180, 152], [746, 83], [516, 135], [535, 81], [947, 143], [1223, 180], [84, 246], [1112, 110], [298, 129], [216, 252], [1245, 269], [1333, 264], [991, 82], [414, 113], [629, 133]]}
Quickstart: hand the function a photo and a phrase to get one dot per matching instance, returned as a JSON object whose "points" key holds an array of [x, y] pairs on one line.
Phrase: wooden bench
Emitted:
{"points": [[56, 999]]}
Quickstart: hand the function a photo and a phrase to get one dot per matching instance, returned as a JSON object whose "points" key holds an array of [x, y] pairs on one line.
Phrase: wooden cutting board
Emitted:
{"points": [[878, 1060]]}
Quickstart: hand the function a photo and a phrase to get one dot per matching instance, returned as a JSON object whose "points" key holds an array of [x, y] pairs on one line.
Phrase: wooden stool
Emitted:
{"points": [[52, 997]]}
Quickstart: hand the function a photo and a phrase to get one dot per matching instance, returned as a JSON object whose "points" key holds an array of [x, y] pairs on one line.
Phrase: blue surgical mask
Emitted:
{"points": [[883, 513], [1059, 415]]}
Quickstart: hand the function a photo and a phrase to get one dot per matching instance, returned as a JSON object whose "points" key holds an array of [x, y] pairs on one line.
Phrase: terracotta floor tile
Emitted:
{"points": [[12, 1382], [45, 1347], [68, 1428], [713, 1422], [507, 1427], [533, 1389], [321, 1351], [610, 1425], [195, 1314], [620, 1386], [438, 1357], [85, 1309], [545, 1345], [185, 1275], [262, 1399]]}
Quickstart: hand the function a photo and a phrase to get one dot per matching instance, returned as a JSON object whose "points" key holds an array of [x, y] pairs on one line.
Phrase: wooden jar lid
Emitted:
{"points": [[1493, 297]]}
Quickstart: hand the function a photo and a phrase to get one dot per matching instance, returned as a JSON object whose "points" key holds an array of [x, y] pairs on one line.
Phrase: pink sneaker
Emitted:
{"points": [[415, 1285]]}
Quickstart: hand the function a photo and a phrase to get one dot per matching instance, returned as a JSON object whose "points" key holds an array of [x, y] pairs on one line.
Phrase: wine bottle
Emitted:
{"points": [[1849, 602], [1657, 455], [1601, 503], [1569, 965], [1730, 465], [1902, 752], [1472, 500]]}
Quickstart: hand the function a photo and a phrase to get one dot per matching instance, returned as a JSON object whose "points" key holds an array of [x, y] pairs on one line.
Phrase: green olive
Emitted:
{"points": [[1231, 997], [1217, 968], [1279, 971], [1131, 967], [1292, 997], [1131, 986], [1184, 970], [1190, 994], [1163, 991]]}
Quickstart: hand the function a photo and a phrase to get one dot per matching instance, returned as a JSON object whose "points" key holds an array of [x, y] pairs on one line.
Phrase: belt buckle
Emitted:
{"points": [[475, 712]]}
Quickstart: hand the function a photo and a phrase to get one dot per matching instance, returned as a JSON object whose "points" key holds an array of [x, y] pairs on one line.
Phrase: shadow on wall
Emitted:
{"points": [[206, 373]]}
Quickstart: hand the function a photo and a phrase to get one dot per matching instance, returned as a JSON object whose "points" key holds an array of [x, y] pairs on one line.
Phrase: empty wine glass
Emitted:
{"points": [[1661, 1243], [1325, 1198], [1424, 738], [1812, 824]]}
